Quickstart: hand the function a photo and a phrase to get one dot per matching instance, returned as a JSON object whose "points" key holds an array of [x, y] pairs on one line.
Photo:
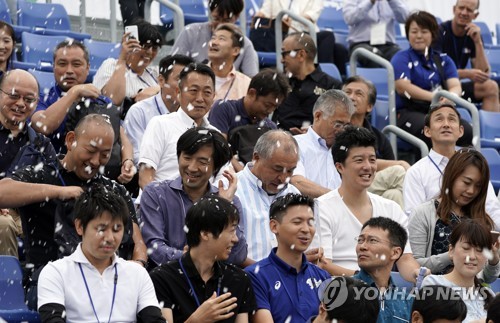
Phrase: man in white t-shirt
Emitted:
{"points": [[158, 155], [94, 284], [342, 212]]}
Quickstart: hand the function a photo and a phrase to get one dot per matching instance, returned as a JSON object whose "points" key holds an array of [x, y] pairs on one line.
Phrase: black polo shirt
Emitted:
{"points": [[172, 287], [38, 219], [9, 147], [384, 148], [298, 105], [460, 49]]}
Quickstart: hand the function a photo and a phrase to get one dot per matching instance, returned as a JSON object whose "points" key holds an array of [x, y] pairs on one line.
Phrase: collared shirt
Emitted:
{"points": [[459, 48], [193, 41], [316, 162], [58, 137], [423, 182], [159, 142], [174, 291], [255, 217], [296, 109], [163, 213], [361, 15], [9, 147], [134, 83], [338, 226], [137, 118], [62, 282], [38, 219], [420, 71], [395, 303], [289, 295], [234, 87], [227, 115]]}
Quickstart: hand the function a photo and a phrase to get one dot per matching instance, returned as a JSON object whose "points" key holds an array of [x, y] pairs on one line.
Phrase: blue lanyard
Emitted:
{"points": [[90, 297], [140, 78], [432, 160], [191, 285], [158, 106], [230, 87]]}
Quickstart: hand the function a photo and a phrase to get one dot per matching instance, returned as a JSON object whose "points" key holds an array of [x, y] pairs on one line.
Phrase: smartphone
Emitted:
{"points": [[495, 235], [134, 32], [420, 277]]}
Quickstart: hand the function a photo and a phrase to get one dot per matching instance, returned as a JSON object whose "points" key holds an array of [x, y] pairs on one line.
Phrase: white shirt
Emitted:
{"points": [[137, 118], [62, 282], [423, 183], [338, 226], [316, 162], [159, 143], [255, 203], [133, 82]]}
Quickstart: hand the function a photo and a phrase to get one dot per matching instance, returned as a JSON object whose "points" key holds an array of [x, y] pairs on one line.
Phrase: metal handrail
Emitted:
{"points": [[363, 52], [279, 33], [112, 21], [476, 130], [83, 18], [178, 14], [406, 136]]}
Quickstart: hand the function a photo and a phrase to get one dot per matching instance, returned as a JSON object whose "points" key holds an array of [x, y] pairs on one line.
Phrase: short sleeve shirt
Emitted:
{"points": [[459, 49]]}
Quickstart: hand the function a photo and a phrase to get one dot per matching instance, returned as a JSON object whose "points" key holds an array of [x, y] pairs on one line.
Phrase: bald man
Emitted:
{"points": [[18, 99], [45, 193]]}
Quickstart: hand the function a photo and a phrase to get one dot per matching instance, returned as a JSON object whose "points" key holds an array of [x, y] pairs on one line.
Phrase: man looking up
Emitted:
{"points": [[223, 49]]}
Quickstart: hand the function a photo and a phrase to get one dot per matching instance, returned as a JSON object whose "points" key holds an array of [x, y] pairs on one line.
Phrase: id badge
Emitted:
{"points": [[377, 34]]}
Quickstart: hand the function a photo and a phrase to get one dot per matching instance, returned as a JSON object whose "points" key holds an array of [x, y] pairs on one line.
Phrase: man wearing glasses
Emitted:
{"points": [[18, 98], [307, 80], [315, 174], [379, 245], [345, 210]]}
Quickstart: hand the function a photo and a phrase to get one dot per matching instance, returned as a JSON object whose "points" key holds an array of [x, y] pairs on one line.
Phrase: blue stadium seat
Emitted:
{"points": [[485, 33], [251, 8], [378, 76], [331, 19], [402, 42], [46, 19], [493, 55], [493, 159], [465, 114], [5, 16], [39, 49], [380, 113], [100, 51], [490, 132], [495, 286], [267, 59], [12, 306], [46, 80], [194, 11], [331, 69]]}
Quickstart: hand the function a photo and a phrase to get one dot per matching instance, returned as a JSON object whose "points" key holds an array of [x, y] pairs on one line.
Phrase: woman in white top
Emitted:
{"points": [[470, 243]]}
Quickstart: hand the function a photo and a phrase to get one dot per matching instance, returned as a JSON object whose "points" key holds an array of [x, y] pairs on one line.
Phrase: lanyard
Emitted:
{"points": [[191, 285], [230, 86], [141, 79], [90, 297], [432, 160], [158, 106]]}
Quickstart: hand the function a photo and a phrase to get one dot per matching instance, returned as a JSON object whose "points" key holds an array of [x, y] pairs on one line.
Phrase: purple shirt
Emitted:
{"points": [[227, 115], [163, 211]]}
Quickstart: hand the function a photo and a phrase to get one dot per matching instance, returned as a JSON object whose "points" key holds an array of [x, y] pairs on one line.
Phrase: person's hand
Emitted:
{"points": [[68, 192], [494, 250], [477, 75], [216, 308], [4, 212], [129, 45], [404, 164], [128, 171], [473, 31], [297, 131], [228, 193], [314, 255], [147, 93], [85, 91], [185, 249]]}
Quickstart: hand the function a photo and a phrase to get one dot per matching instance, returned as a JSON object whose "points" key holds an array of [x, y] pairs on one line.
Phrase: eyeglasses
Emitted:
{"points": [[16, 97], [287, 52], [337, 125], [370, 240]]}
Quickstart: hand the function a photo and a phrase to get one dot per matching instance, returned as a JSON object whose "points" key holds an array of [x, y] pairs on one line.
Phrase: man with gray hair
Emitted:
{"points": [[263, 180], [315, 174]]}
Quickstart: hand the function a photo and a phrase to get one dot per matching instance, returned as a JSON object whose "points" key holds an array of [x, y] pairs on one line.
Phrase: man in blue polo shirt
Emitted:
{"points": [[379, 245], [285, 283]]}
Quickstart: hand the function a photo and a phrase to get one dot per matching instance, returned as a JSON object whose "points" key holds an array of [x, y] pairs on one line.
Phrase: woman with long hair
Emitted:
{"points": [[469, 245], [7, 46], [463, 195]]}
